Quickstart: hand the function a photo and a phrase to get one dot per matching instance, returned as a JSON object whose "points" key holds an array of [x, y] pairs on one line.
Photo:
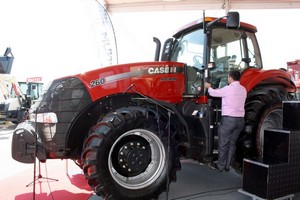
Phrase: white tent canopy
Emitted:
{"points": [[167, 5], [137, 21]]}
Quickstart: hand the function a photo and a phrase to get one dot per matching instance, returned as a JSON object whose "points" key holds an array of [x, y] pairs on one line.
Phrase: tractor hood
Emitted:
{"points": [[72, 94], [158, 80]]}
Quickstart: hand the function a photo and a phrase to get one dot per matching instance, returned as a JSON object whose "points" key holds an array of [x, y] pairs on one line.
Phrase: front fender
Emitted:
{"points": [[253, 76]]}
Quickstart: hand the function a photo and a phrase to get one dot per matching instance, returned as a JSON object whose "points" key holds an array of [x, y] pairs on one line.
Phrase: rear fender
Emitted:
{"points": [[24, 144], [252, 77]]}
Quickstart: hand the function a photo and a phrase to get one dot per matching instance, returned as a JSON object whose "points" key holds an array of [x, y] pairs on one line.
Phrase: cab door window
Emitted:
{"points": [[231, 49]]}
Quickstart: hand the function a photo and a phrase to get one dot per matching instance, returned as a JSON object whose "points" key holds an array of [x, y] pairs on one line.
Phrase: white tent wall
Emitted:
{"points": [[137, 21], [53, 38], [277, 32], [167, 5]]}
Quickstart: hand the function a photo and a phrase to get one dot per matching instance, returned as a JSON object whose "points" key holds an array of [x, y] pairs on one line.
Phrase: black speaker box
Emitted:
{"points": [[291, 115], [277, 174]]}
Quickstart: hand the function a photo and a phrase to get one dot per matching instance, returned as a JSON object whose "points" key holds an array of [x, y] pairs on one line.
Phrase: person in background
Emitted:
{"points": [[233, 102]]}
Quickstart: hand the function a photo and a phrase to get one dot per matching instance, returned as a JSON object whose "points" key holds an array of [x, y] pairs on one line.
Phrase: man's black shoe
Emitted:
{"points": [[211, 165], [227, 169], [217, 168], [214, 166]]}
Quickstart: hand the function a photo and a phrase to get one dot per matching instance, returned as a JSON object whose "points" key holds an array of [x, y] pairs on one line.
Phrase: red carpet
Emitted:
{"points": [[71, 184]]}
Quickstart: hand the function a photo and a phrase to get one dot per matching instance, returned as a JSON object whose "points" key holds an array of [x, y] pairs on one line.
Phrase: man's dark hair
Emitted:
{"points": [[235, 75]]}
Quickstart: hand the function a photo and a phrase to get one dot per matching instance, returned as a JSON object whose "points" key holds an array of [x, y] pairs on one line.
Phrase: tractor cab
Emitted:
{"points": [[210, 48]]}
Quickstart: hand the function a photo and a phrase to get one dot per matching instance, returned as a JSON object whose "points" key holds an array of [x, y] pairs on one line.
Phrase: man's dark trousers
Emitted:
{"points": [[228, 133]]}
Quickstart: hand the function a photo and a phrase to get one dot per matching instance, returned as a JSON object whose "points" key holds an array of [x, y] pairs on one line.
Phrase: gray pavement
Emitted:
{"points": [[9, 166], [195, 181]]}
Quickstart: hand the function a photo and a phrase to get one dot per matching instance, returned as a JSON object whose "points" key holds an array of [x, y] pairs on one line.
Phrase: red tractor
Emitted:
{"points": [[127, 126]]}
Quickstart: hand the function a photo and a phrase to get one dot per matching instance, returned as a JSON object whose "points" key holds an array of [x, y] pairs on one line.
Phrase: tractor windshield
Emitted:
{"points": [[231, 49], [189, 49]]}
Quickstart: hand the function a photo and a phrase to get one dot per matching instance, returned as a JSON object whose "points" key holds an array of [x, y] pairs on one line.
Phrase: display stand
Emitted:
{"points": [[276, 175], [254, 197], [35, 144], [39, 176]]}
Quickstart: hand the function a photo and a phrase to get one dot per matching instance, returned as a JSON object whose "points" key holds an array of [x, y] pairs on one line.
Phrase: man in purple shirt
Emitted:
{"points": [[232, 122]]}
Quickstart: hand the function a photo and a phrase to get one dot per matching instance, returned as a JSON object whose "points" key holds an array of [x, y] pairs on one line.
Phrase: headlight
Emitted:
{"points": [[46, 118]]}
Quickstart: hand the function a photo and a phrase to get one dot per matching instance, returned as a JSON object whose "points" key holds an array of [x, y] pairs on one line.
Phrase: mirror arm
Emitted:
{"points": [[210, 24]]}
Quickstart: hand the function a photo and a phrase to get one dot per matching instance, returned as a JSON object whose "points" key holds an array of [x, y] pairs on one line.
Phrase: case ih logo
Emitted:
{"points": [[161, 70]]}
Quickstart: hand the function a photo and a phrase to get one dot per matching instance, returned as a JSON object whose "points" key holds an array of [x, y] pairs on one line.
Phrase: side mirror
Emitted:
{"points": [[233, 20]]}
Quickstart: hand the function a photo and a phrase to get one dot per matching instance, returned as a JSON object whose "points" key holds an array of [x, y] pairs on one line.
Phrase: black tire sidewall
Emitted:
{"points": [[111, 187]]}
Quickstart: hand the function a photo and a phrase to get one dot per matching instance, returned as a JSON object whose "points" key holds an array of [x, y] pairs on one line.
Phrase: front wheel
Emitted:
{"points": [[136, 159], [125, 155]]}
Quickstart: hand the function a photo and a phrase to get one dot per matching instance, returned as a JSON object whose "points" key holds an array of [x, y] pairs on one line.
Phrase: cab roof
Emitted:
{"points": [[199, 23]]}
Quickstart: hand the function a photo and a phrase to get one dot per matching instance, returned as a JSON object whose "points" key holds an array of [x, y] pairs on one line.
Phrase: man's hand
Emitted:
{"points": [[207, 85]]}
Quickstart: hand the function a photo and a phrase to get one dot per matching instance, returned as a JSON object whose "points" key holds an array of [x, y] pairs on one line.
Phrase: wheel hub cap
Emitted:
{"points": [[133, 158]]}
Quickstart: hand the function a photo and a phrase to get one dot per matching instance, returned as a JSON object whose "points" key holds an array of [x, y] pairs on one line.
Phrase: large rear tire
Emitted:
{"points": [[271, 118], [263, 110], [126, 155]]}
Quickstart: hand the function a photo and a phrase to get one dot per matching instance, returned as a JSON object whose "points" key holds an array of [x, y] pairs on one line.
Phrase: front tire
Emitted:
{"points": [[126, 157]]}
